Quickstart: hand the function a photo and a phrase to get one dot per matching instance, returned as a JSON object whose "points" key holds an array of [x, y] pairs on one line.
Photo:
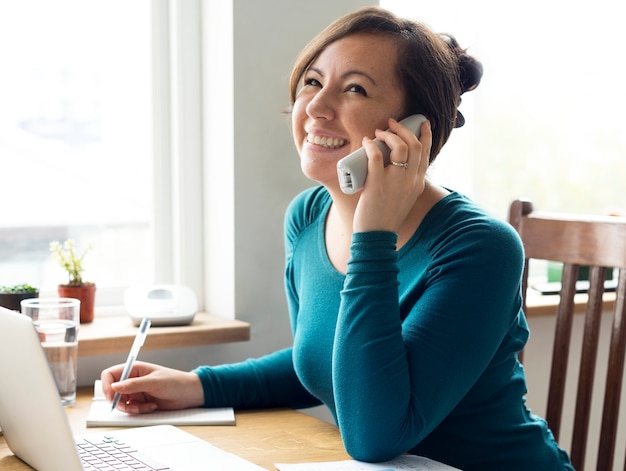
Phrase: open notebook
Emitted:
{"points": [[100, 415]]}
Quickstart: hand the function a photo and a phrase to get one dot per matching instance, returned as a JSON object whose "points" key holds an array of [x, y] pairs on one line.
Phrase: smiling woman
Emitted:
{"points": [[75, 137], [404, 298]]}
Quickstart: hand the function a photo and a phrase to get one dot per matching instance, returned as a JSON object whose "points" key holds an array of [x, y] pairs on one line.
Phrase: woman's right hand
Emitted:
{"points": [[390, 192], [150, 387]]}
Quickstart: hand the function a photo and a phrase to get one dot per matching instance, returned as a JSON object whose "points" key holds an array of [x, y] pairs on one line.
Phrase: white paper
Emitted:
{"points": [[402, 463]]}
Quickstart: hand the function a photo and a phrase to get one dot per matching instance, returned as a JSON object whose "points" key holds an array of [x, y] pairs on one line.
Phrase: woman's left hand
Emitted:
{"points": [[390, 192]]}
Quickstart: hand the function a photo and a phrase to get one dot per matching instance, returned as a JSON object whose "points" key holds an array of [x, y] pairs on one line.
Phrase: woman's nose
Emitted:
{"points": [[321, 106]]}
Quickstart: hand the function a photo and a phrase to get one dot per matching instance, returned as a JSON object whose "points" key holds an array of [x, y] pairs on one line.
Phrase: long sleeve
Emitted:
{"points": [[404, 359], [268, 381]]}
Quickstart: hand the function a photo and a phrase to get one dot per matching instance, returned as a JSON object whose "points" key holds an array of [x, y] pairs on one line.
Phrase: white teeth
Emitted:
{"points": [[329, 142]]}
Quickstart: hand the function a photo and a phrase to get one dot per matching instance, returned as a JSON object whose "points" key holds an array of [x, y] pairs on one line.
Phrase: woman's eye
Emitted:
{"points": [[357, 89], [312, 82]]}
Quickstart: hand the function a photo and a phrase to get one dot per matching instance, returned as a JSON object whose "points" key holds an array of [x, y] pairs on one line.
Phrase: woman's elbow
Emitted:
{"points": [[373, 450]]}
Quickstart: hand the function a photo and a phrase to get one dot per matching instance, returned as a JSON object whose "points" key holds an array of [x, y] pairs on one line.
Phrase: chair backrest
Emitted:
{"points": [[598, 242]]}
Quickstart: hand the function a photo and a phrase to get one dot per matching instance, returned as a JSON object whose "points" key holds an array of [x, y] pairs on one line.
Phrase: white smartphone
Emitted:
{"points": [[352, 169]]}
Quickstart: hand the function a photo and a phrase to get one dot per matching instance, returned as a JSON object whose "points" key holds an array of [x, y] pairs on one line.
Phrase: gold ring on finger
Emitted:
{"points": [[399, 164]]}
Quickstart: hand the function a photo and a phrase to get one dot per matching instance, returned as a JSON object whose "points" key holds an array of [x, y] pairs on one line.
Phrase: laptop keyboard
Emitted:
{"points": [[105, 453]]}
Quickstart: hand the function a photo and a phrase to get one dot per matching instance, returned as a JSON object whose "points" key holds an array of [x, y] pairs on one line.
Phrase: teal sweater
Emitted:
{"points": [[412, 350]]}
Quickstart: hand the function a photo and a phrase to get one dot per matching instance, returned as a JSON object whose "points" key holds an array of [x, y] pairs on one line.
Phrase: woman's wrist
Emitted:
{"points": [[194, 390]]}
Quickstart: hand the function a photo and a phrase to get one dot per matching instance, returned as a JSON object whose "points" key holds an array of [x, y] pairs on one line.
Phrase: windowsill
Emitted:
{"points": [[538, 304], [114, 333]]}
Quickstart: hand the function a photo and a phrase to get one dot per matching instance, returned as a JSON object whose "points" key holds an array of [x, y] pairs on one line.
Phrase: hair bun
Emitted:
{"points": [[470, 69]]}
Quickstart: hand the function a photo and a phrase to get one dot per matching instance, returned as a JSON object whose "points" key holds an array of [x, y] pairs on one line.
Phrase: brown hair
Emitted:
{"points": [[432, 69]]}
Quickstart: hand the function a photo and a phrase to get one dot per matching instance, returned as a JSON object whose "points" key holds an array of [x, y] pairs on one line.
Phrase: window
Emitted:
{"points": [[75, 139], [547, 121]]}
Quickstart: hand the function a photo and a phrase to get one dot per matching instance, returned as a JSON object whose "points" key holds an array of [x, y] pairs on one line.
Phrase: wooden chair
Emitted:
{"points": [[597, 242]]}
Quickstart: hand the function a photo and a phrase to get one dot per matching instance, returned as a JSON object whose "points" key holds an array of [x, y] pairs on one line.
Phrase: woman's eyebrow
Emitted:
{"points": [[347, 74]]}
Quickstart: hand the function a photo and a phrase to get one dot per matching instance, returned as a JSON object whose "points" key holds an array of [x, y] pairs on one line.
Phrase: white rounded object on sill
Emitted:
{"points": [[164, 305]]}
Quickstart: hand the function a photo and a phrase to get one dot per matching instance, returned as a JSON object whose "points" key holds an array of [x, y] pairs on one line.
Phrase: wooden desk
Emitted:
{"points": [[112, 333], [263, 437]]}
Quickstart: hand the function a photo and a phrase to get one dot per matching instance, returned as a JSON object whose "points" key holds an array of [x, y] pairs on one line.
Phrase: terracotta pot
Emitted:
{"points": [[86, 293]]}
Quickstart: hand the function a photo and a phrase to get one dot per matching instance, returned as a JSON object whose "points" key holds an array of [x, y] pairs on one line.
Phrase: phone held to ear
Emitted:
{"points": [[352, 169]]}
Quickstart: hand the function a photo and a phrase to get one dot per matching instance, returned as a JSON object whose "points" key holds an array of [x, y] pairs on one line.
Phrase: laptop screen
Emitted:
{"points": [[32, 418]]}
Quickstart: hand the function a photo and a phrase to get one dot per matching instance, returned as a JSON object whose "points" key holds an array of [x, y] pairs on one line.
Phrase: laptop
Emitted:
{"points": [[37, 430]]}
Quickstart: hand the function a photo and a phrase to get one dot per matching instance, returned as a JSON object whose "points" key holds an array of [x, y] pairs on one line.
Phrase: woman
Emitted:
{"points": [[405, 297]]}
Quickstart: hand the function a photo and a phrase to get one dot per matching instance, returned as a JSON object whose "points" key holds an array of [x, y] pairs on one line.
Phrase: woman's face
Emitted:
{"points": [[348, 92]]}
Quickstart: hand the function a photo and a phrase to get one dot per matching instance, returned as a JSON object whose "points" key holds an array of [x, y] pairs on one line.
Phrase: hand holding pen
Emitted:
{"points": [[140, 338]]}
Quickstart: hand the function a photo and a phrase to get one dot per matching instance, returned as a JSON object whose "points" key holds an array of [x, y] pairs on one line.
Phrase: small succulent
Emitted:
{"points": [[20, 288]]}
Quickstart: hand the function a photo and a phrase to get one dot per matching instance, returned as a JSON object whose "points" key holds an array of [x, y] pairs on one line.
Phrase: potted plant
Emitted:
{"points": [[71, 260], [12, 296]]}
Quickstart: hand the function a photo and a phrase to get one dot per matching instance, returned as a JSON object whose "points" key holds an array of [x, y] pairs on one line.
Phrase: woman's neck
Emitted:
{"points": [[344, 206]]}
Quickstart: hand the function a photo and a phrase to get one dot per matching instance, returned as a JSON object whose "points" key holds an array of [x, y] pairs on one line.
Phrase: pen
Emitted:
{"points": [[140, 338]]}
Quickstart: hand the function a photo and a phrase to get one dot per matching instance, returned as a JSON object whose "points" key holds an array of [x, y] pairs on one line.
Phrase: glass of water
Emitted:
{"points": [[56, 321]]}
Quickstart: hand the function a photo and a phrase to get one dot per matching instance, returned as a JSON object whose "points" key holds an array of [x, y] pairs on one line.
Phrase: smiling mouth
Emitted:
{"points": [[328, 142]]}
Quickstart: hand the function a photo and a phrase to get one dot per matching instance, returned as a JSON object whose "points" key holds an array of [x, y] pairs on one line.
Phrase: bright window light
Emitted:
{"points": [[75, 139]]}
